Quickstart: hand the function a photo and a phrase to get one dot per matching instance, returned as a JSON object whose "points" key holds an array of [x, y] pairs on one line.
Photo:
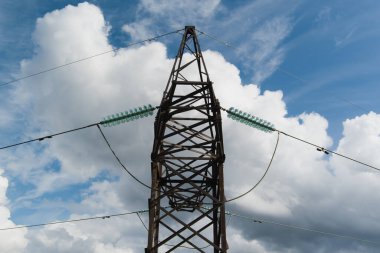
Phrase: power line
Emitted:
{"points": [[288, 73], [265, 221], [139, 42], [77, 129], [327, 151], [109, 121], [231, 214], [138, 212], [319, 148], [48, 136], [304, 229], [86, 58], [180, 246], [224, 43], [119, 161], [262, 177], [142, 222], [74, 220]]}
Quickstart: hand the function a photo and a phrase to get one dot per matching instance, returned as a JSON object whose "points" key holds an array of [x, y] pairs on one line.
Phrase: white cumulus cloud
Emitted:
{"points": [[12, 241], [303, 186]]}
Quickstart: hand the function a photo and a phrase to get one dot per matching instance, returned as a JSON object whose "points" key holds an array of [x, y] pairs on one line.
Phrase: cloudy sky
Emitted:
{"points": [[309, 67]]}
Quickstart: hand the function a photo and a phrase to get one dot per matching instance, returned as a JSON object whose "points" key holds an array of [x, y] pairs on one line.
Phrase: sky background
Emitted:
{"points": [[310, 67]]}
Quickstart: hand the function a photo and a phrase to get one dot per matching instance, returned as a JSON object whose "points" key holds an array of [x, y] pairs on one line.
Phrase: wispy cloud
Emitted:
{"points": [[153, 16], [299, 188], [263, 48], [257, 29], [344, 38], [324, 15]]}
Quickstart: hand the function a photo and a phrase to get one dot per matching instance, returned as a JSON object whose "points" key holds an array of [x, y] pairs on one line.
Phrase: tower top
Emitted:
{"points": [[187, 160]]}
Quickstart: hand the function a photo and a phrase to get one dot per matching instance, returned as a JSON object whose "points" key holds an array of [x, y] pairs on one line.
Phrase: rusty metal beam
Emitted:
{"points": [[187, 160]]}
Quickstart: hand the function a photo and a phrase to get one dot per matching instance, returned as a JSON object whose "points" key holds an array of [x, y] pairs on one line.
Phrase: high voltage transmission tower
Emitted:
{"points": [[186, 207]]}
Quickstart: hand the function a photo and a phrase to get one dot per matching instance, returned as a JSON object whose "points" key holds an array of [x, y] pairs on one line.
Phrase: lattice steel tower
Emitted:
{"points": [[186, 209]]}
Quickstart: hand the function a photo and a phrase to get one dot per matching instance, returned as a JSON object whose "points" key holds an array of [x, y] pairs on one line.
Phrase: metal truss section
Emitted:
{"points": [[186, 207]]}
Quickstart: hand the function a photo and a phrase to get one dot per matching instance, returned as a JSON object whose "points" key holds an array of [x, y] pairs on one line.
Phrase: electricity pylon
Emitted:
{"points": [[186, 207]]}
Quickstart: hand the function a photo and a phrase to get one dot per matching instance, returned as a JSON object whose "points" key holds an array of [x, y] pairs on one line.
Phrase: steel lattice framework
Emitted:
{"points": [[186, 207]]}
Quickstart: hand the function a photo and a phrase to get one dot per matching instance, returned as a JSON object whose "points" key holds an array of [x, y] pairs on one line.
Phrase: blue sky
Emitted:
{"points": [[310, 67], [329, 51]]}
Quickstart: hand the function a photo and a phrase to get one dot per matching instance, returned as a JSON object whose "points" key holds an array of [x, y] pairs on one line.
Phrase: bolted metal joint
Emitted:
{"points": [[187, 160]]}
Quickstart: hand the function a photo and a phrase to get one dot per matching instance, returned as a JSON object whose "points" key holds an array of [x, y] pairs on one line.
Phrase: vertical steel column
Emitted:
{"points": [[186, 209]]}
